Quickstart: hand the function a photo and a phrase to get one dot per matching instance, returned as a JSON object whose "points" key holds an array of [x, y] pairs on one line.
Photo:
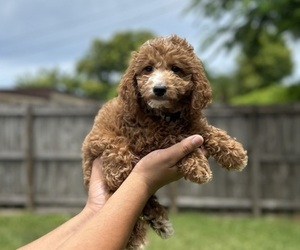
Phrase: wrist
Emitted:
{"points": [[143, 183], [88, 211]]}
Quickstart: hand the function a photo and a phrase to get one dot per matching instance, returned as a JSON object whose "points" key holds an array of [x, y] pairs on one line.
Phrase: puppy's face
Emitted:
{"points": [[163, 75]]}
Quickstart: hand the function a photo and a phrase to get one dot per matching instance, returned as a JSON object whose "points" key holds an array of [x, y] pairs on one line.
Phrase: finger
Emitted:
{"points": [[174, 153], [191, 143]]}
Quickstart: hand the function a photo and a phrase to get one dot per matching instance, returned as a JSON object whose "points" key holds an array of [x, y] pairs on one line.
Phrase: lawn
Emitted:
{"points": [[193, 231]]}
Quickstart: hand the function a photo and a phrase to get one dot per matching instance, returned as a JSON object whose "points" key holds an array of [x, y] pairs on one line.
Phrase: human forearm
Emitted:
{"points": [[111, 227]]}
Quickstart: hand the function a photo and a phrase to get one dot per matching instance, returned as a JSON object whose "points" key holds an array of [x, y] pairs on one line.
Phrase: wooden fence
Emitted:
{"points": [[40, 160]]}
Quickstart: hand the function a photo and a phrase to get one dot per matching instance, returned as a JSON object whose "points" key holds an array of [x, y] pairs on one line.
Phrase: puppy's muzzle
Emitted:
{"points": [[159, 90]]}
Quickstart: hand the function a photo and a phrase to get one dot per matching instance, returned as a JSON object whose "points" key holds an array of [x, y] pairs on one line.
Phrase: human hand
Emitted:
{"points": [[97, 194], [157, 168]]}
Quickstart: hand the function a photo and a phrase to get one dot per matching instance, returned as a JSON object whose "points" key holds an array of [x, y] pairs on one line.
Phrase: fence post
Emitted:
{"points": [[173, 194], [29, 158], [255, 167]]}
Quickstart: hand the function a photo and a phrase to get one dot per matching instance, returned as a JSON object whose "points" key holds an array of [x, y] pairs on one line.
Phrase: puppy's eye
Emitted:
{"points": [[148, 69], [175, 69]]}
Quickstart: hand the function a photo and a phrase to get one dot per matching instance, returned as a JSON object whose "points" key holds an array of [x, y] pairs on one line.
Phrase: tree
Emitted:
{"points": [[244, 20], [259, 29], [97, 72], [268, 67], [49, 78], [275, 94], [106, 59]]}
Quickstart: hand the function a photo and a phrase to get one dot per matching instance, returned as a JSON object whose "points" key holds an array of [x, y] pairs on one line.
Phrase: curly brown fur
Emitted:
{"points": [[160, 102]]}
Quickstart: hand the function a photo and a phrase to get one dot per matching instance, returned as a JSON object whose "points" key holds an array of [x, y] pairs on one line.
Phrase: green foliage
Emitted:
{"points": [[223, 88], [245, 19], [44, 78], [269, 66], [293, 92], [97, 73], [105, 59], [265, 96], [259, 29]]}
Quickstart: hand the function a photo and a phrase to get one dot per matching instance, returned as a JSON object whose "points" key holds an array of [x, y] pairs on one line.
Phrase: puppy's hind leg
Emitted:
{"points": [[137, 238], [156, 216]]}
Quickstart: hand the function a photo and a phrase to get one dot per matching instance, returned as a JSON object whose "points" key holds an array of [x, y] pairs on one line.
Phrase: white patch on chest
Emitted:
{"points": [[156, 104]]}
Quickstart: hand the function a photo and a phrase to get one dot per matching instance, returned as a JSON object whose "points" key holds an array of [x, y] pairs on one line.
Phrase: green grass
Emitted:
{"points": [[193, 231], [20, 229]]}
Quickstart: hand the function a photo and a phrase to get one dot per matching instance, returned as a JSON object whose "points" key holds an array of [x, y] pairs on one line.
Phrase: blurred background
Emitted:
{"points": [[60, 61]]}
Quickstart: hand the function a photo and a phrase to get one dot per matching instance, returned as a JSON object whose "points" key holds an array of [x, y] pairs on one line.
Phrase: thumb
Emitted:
{"points": [[174, 153], [189, 144]]}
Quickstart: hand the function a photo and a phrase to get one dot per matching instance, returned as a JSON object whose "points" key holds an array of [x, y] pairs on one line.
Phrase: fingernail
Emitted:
{"points": [[197, 140]]}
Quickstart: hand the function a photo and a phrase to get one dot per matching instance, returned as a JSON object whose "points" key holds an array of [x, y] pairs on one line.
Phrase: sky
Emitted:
{"points": [[37, 34]]}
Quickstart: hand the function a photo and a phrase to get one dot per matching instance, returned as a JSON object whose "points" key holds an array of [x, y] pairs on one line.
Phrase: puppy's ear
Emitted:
{"points": [[127, 88], [202, 93]]}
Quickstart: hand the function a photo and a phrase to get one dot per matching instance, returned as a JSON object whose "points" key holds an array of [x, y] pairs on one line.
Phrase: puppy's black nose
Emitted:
{"points": [[159, 90]]}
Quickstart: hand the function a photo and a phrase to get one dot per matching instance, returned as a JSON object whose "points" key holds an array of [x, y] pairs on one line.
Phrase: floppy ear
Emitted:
{"points": [[128, 86], [202, 93]]}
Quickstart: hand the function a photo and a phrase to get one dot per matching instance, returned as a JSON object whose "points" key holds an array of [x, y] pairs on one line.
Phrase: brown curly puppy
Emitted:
{"points": [[160, 102]]}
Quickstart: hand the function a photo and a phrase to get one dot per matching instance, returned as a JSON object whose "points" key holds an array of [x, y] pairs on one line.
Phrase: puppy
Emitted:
{"points": [[160, 102]]}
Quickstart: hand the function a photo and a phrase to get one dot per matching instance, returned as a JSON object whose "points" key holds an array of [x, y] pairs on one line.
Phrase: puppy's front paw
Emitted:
{"points": [[235, 159], [199, 175], [195, 168]]}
